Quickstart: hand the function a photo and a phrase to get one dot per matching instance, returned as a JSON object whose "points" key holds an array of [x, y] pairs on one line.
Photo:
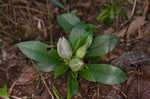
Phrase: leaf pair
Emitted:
{"points": [[68, 21]]}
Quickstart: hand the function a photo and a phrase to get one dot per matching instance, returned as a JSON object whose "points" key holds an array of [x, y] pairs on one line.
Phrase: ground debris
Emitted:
{"points": [[24, 20], [27, 76], [135, 24], [132, 58]]}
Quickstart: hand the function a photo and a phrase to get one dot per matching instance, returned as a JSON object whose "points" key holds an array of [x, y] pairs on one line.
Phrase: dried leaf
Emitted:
{"points": [[109, 31], [146, 7], [133, 27], [139, 87], [27, 75], [87, 4], [146, 30], [122, 32]]}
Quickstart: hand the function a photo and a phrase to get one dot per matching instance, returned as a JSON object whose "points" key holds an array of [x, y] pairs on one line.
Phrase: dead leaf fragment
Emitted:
{"points": [[122, 32], [146, 30], [139, 87], [146, 7], [133, 27], [27, 75], [109, 31], [87, 4]]}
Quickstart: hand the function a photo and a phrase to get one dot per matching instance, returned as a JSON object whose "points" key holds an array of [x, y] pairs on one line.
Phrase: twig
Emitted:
{"points": [[146, 7], [98, 91], [93, 97], [50, 23], [15, 97], [133, 9], [50, 93], [13, 22], [130, 17], [124, 95], [139, 83], [11, 88], [32, 9]]}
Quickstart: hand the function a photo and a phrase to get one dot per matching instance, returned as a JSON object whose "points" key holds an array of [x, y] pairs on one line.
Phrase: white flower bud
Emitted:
{"points": [[64, 49]]}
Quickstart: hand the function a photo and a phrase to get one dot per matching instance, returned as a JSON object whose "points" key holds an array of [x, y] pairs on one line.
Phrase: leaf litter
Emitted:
{"points": [[137, 86]]}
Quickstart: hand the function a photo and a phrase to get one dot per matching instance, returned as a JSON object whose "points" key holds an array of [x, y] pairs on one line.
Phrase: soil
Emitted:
{"points": [[19, 21]]}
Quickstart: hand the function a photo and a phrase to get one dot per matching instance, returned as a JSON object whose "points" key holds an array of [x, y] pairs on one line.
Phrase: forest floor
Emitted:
{"points": [[19, 21]]}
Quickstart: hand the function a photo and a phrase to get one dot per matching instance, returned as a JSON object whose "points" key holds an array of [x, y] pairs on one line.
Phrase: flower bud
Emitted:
{"points": [[81, 51], [76, 64], [63, 48]]}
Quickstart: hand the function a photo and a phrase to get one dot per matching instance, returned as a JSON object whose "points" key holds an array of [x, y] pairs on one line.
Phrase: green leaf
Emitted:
{"points": [[104, 73], [79, 35], [76, 33], [112, 13], [86, 38], [46, 67], [47, 61], [58, 4], [68, 21], [37, 51], [3, 92], [102, 14], [56, 93], [72, 84], [74, 12], [86, 74], [108, 14], [79, 42], [111, 16], [91, 28], [102, 45], [60, 70], [108, 20]]}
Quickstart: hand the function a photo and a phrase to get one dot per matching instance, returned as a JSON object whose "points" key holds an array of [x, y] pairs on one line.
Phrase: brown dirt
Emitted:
{"points": [[19, 22]]}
